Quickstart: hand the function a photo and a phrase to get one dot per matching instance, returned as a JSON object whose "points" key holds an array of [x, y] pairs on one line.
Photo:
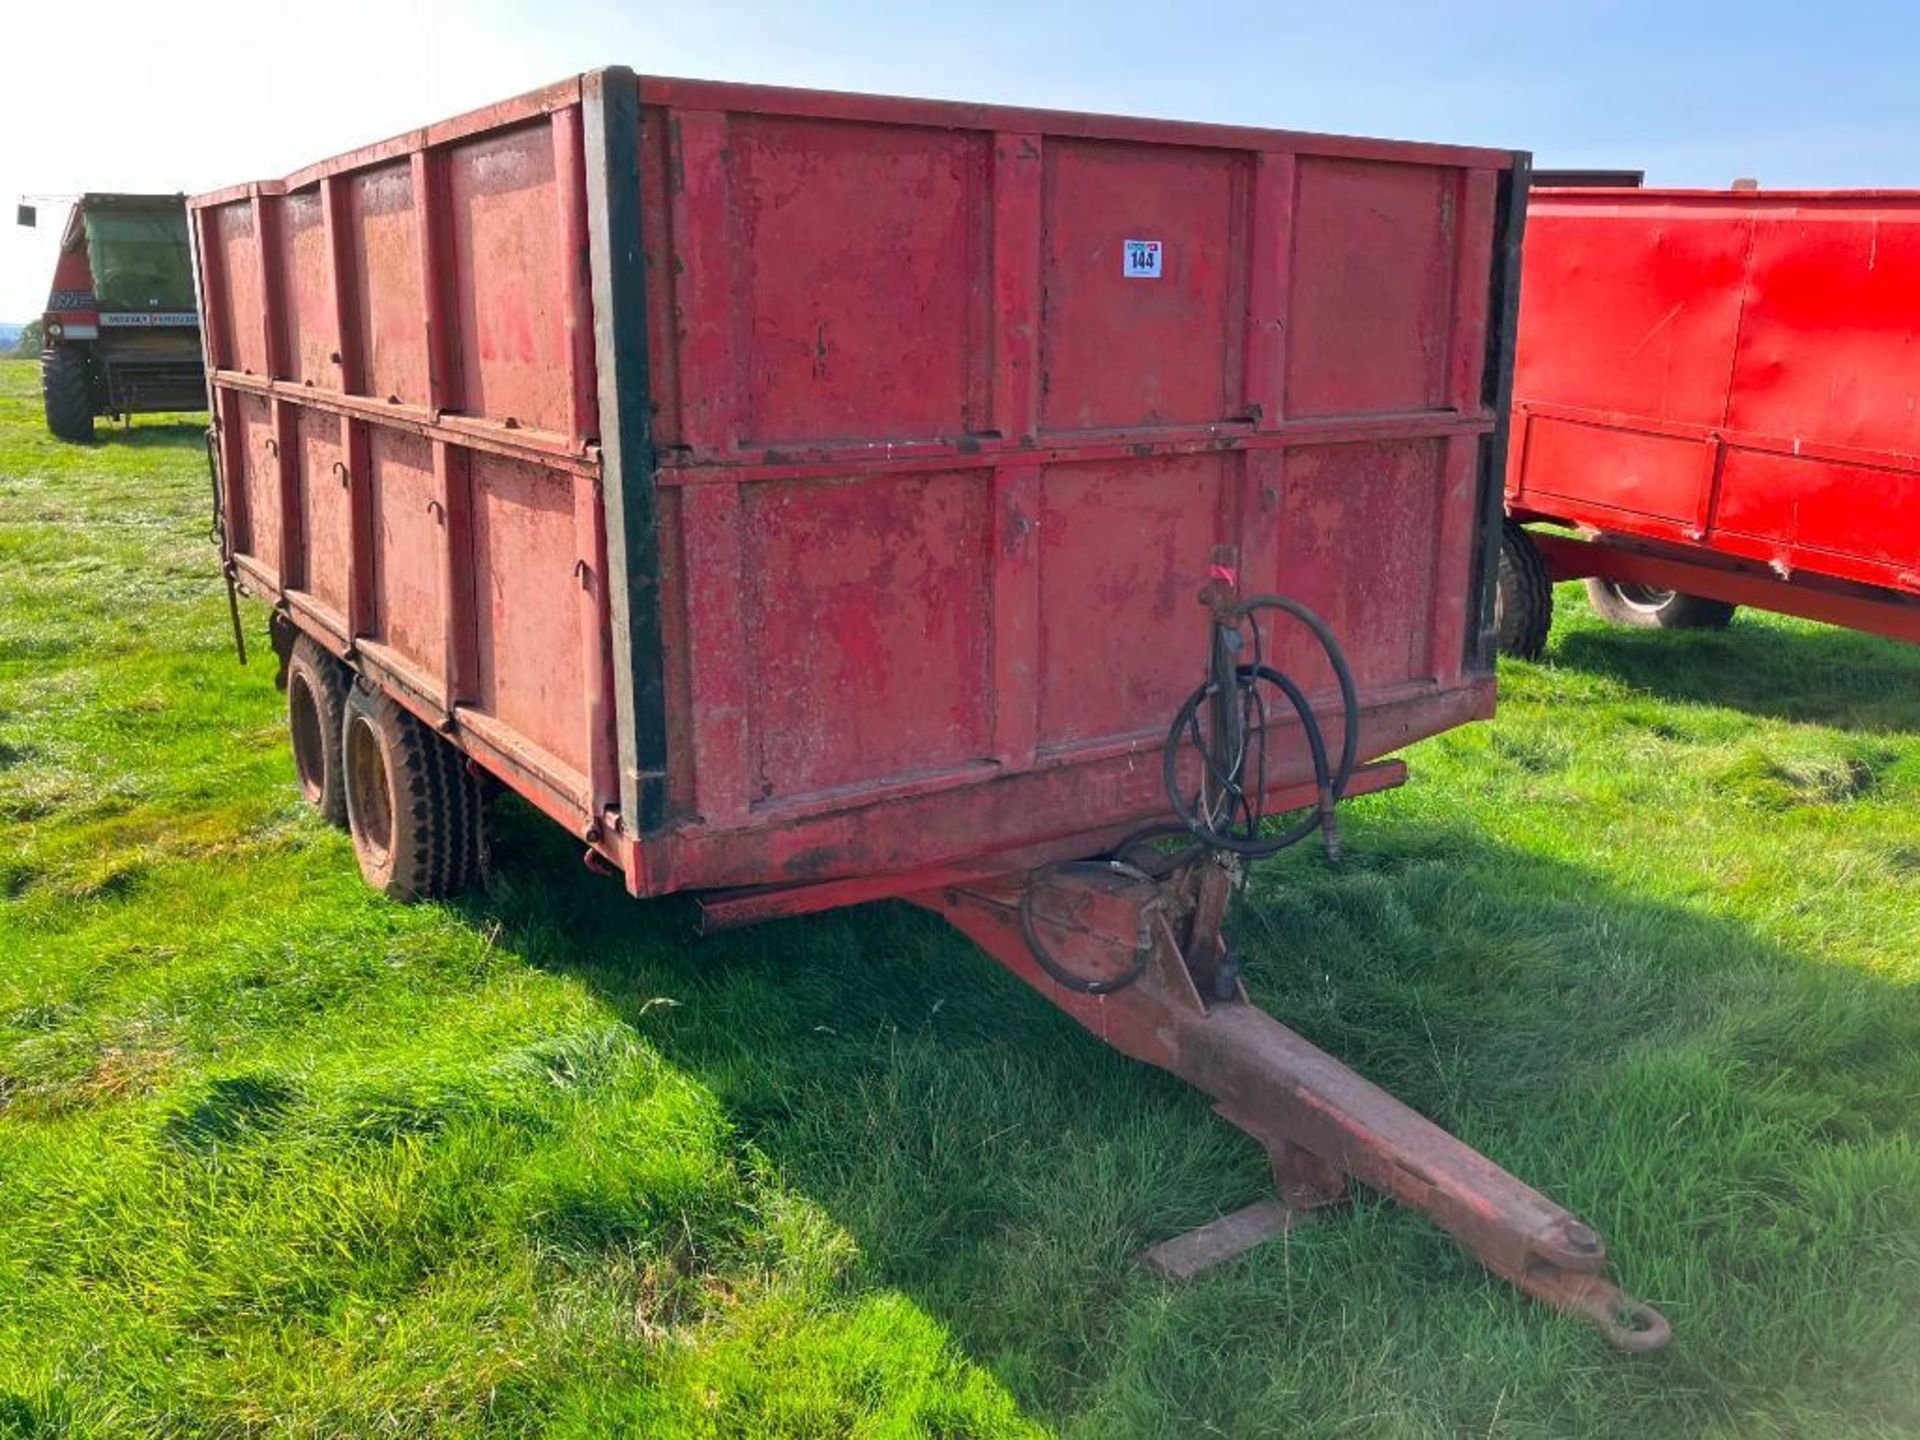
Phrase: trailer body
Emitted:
{"points": [[811, 498], [782, 487], [1722, 390]]}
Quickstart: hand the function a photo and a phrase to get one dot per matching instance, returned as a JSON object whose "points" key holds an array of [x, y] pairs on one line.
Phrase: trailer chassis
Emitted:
{"points": [[1320, 1123], [1736, 581]]}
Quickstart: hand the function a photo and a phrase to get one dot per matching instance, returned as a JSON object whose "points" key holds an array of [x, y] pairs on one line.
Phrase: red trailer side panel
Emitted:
{"points": [[1734, 371], [405, 401], [780, 486]]}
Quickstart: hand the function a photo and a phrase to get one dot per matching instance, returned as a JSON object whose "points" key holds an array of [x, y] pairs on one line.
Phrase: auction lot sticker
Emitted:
{"points": [[1141, 260]]}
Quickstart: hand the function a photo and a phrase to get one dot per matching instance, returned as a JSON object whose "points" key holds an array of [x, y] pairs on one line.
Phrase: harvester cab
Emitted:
{"points": [[121, 334]]}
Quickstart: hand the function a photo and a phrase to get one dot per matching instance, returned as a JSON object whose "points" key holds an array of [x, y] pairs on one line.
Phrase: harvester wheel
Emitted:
{"points": [[317, 686], [414, 808], [1523, 599], [1640, 607], [67, 392]]}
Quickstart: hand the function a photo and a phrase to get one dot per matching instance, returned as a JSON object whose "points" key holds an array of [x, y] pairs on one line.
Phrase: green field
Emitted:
{"points": [[279, 1157]]}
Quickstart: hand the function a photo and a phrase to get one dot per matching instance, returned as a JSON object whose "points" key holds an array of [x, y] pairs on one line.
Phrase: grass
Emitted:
{"points": [[279, 1157]]}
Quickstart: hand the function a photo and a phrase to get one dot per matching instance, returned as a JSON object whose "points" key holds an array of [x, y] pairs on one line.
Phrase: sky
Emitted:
{"points": [[194, 94]]}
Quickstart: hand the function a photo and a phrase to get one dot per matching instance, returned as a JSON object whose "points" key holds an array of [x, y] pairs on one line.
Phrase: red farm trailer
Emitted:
{"points": [[1719, 391], [808, 498]]}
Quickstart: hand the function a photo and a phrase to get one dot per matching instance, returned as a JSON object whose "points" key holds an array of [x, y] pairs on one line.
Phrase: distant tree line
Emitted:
{"points": [[27, 347]]}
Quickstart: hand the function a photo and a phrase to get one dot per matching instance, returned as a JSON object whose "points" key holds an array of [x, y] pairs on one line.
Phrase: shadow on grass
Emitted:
{"points": [[1689, 1088], [1816, 675], [170, 433], [230, 1109]]}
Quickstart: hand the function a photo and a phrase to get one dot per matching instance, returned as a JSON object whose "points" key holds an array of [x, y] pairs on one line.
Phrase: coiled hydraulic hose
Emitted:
{"points": [[1227, 813], [1044, 957], [1231, 821]]}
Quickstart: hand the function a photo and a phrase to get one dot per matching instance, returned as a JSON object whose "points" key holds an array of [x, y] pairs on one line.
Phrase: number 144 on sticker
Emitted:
{"points": [[1141, 260]]}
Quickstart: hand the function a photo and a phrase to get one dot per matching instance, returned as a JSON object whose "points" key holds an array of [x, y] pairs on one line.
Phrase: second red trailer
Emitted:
{"points": [[1720, 392]]}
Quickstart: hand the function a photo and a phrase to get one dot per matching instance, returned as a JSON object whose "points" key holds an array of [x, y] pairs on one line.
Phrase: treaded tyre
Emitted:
{"points": [[1523, 597], [1640, 607], [317, 686], [68, 392], [414, 809]]}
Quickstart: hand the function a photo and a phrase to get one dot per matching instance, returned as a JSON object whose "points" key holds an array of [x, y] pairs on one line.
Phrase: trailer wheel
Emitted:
{"points": [[1523, 598], [67, 391], [413, 808], [1641, 607], [317, 686]]}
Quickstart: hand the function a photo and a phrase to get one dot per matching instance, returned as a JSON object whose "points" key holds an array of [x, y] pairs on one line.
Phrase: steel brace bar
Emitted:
{"points": [[1318, 1120]]}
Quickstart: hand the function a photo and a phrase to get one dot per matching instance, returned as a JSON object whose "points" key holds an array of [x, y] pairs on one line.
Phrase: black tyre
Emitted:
{"points": [[1523, 598], [67, 390], [317, 686], [413, 807], [1640, 607]]}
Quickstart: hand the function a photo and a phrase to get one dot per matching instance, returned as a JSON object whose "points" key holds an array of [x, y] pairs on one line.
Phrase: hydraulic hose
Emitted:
{"points": [[1229, 772], [1044, 957], [1233, 826]]}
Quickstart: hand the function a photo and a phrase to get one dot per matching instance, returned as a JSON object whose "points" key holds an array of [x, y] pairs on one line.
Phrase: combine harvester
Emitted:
{"points": [[1719, 392], [120, 333], [806, 499]]}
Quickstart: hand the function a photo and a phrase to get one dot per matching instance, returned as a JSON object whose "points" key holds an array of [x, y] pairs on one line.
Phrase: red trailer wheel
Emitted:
{"points": [[1642, 607], [1523, 598], [317, 687], [412, 807]]}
